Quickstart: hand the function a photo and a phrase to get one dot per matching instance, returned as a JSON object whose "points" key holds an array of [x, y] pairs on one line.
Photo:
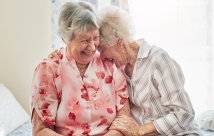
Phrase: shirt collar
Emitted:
{"points": [[144, 49]]}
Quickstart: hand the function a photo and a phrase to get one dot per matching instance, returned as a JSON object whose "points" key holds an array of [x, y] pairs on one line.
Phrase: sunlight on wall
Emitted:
{"points": [[183, 29], [25, 39]]}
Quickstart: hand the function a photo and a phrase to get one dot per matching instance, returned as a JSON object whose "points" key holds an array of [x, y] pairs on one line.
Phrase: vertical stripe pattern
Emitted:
{"points": [[157, 93]]}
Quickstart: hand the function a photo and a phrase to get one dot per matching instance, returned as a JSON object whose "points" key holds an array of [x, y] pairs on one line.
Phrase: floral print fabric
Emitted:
{"points": [[77, 104]]}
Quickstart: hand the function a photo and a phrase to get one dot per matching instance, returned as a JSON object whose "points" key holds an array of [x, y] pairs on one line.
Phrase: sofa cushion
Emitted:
{"points": [[12, 115], [206, 120]]}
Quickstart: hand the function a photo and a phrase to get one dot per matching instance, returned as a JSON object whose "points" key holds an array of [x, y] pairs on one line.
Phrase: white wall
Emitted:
{"points": [[212, 42], [25, 38], [185, 29]]}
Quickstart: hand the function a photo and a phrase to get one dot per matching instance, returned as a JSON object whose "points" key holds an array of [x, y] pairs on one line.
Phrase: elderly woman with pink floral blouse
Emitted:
{"points": [[74, 92]]}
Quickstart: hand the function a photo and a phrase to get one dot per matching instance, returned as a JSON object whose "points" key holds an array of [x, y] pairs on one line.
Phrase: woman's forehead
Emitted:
{"points": [[86, 34], [104, 46]]}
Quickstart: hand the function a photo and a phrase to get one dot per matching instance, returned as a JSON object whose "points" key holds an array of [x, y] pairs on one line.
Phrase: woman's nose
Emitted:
{"points": [[92, 46]]}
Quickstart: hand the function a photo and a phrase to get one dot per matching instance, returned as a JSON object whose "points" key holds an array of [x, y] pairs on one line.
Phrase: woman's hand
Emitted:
{"points": [[147, 130], [125, 125]]}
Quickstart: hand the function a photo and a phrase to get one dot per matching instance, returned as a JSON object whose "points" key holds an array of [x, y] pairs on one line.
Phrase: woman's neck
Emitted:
{"points": [[82, 67], [132, 52]]}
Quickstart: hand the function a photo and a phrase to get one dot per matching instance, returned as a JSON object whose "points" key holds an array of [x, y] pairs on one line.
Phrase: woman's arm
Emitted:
{"points": [[124, 111], [40, 128], [147, 130], [122, 101]]}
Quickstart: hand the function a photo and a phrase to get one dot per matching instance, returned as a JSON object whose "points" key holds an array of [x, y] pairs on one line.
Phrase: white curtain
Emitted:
{"points": [[56, 5]]}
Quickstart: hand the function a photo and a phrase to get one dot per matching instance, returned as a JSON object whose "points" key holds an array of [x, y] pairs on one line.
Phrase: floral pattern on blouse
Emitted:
{"points": [[75, 104]]}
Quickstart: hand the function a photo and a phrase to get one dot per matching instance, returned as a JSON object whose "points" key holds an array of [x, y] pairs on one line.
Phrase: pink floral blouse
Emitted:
{"points": [[75, 104]]}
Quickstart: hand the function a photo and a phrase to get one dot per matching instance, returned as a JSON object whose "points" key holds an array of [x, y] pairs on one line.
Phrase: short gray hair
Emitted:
{"points": [[76, 16], [115, 23]]}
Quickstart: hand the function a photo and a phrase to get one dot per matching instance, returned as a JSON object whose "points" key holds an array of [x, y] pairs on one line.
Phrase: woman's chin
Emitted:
{"points": [[87, 56], [87, 60]]}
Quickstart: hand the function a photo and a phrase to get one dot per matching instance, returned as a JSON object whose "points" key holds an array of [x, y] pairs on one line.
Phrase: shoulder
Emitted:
{"points": [[157, 54], [147, 51], [154, 55], [107, 65], [162, 60]]}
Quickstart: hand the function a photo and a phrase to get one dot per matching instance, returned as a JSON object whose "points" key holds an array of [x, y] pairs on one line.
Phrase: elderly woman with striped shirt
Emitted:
{"points": [[159, 103]]}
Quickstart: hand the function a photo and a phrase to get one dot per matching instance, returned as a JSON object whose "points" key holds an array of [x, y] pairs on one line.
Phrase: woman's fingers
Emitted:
{"points": [[125, 120], [126, 125], [121, 129]]}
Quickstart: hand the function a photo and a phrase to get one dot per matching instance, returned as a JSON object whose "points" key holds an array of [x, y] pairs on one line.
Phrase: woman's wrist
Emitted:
{"points": [[147, 129], [113, 132], [141, 130]]}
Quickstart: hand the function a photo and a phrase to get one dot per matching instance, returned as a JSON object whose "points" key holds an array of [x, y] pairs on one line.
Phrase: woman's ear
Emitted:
{"points": [[120, 42]]}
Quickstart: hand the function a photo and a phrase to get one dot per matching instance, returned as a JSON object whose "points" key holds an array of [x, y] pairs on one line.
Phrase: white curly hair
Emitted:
{"points": [[115, 23], [76, 16]]}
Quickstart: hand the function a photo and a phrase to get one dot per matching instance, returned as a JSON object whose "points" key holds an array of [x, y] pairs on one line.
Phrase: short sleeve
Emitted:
{"points": [[44, 94], [121, 88]]}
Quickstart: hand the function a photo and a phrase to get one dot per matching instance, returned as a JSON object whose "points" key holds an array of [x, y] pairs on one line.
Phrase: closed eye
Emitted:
{"points": [[96, 38], [84, 41]]}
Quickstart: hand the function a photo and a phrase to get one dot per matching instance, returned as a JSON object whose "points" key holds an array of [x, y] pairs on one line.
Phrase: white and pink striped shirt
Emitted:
{"points": [[157, 93]]}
